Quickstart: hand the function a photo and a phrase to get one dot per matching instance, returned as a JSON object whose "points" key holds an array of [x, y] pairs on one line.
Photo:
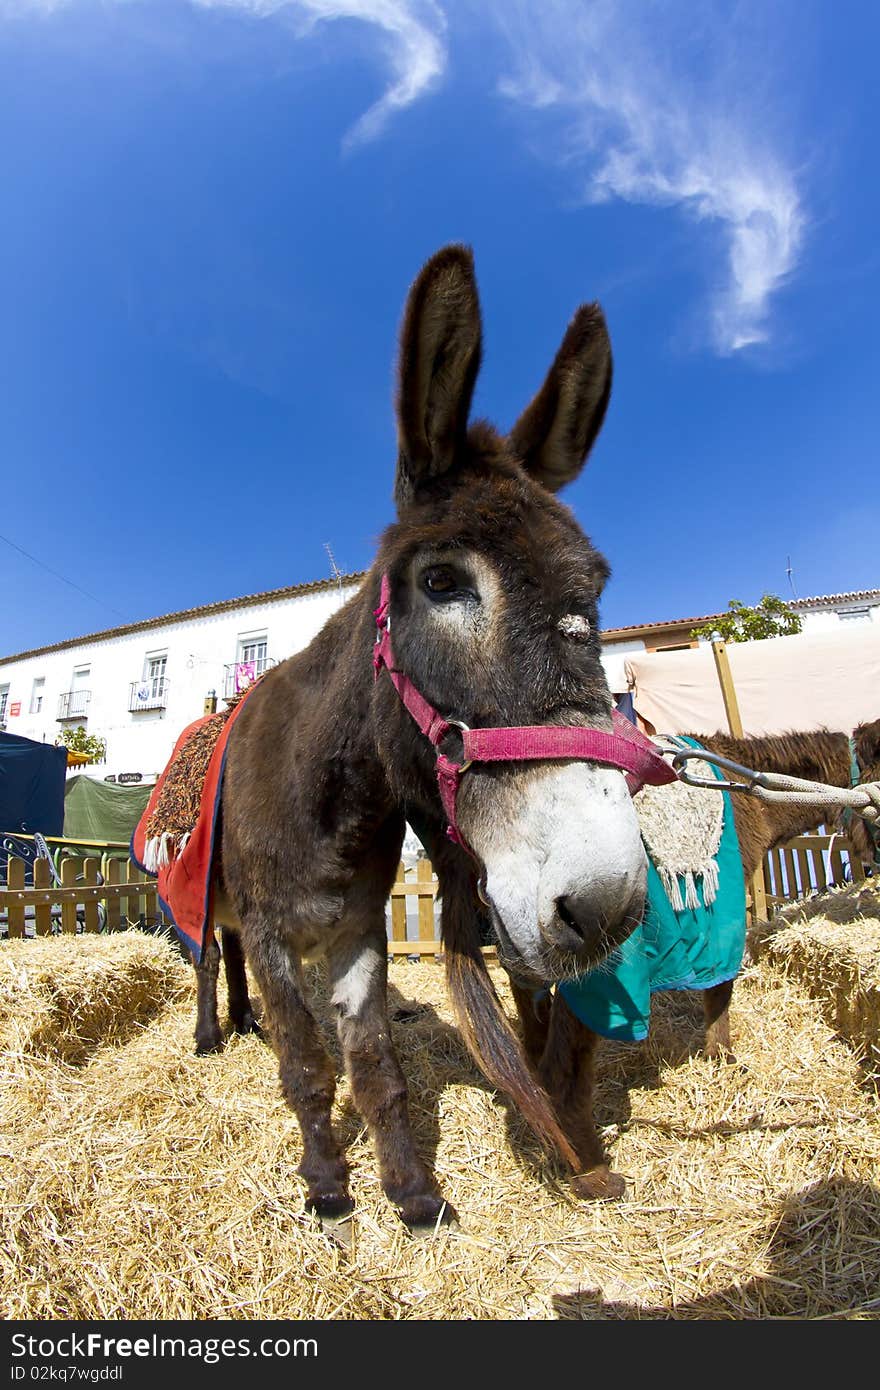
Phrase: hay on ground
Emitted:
{"points": [[143, 1182], [831, 944]]}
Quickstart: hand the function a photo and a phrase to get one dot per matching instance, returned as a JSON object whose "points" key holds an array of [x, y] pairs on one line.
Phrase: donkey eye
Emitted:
{"points": [[441, 582]]}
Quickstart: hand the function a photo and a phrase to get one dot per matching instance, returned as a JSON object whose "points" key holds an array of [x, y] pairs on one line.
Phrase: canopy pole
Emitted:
{"points": [[734, 721]]}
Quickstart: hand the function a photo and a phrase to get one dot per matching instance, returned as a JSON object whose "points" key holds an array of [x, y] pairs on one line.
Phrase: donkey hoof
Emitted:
{"points": [[247, 1024], [598, 1184], [423, 1214], [330, 1206], [210, 1042]]}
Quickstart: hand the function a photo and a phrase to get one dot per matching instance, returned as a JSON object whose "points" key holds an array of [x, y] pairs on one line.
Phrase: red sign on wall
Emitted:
{"points": [[15, 708]]}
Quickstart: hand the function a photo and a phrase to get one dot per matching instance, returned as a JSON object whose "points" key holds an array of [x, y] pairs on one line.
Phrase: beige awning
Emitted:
{"points": [[808, 681]]}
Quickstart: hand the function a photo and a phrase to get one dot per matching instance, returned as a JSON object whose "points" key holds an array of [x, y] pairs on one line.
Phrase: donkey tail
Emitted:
{"points": [[489, 1036]]}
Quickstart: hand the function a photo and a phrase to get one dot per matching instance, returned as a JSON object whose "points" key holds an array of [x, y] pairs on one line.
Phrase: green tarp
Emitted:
{"points": [[102, 810]]}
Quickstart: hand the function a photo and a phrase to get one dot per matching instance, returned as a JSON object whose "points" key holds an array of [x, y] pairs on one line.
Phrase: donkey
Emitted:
{"points": [[820, 755], [488, 588]]}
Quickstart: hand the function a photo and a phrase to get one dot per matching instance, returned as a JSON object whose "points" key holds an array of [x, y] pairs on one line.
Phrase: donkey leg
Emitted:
{"points": [[209, 1036], [534, 1016], [566, 1072], [241, 1015], [308, 1078], [359, 975], [716, 1011]]}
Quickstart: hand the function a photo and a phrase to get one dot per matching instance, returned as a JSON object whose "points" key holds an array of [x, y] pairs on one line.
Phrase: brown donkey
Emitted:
{"points": [[490, 589], [820, 755]]}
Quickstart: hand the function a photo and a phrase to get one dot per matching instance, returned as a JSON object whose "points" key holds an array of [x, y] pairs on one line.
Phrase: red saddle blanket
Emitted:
{"points": [[182, 860]]}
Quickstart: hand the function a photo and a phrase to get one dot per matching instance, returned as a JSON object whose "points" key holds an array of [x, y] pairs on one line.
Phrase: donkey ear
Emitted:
{"points": [[439, 359], [555, 433]]}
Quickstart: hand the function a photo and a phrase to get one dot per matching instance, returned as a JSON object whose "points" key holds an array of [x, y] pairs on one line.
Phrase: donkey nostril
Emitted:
{"points": [[564, 909]]}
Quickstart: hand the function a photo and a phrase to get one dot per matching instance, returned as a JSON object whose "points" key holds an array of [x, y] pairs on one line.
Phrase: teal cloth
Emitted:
{"points": [[693, 949]]}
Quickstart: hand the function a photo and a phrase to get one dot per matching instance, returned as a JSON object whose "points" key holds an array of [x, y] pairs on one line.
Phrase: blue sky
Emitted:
{"points": [[212, 211]]}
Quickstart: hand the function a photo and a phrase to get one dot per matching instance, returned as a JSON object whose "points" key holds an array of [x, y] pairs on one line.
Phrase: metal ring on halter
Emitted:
{"points": [[481, 890], [756, 779], [465, 729]]}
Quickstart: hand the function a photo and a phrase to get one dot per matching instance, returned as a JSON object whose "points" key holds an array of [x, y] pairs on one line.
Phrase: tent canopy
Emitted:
{"points": [[31, 785], [102, 810], [808, 681]]}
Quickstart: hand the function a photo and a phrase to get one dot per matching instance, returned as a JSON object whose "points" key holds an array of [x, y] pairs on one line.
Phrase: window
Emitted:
{"points": [[4, 700], [74, 703], [855, 615], [151, 691], [37, 692], [251, 660], [673, 647], [154, 673], [253, 649]]}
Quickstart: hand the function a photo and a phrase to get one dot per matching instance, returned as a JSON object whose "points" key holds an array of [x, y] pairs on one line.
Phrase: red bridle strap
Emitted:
{"points": [[625, 748]]}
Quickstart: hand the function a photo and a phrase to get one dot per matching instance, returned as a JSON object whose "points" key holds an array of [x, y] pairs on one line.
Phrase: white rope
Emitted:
{"points": [[864, 800], [777, 787]]}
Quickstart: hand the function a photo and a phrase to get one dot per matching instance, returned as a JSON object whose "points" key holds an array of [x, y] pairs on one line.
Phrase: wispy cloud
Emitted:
{"points": [[413, 45], [665, 103], [664, 106]]}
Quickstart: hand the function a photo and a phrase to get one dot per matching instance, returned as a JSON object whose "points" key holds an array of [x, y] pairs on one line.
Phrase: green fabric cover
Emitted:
{"points": [[693, 949], [103, 810]]}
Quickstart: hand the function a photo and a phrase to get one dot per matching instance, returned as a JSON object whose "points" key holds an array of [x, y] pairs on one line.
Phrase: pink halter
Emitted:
{"points": [[626, 748]]}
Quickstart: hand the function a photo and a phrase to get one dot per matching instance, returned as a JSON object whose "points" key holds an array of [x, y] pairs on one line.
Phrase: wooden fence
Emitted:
{"points": [[103, 891], [422, 888], [128, 897], [807, 864]]}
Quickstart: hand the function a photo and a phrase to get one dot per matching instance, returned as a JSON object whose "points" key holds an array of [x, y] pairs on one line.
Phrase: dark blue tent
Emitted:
{"points": [[32, 781]]}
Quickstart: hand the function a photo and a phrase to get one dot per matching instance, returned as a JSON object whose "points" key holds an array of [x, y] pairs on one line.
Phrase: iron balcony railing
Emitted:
{"points": [[148, 694], [238, 675], [73, 704]]}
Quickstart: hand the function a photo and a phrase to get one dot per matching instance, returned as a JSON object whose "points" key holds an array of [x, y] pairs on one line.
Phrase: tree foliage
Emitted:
{"points": [[78, 741], [772, 617]]}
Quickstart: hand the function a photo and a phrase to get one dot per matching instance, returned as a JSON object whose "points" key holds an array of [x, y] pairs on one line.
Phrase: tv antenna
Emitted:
{"points": [[790, 572], [336, 571]]}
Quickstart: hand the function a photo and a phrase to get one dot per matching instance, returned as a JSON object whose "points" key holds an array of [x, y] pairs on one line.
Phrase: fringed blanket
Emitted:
{"points": [[681, 829], [693, 934], [174, 838]]}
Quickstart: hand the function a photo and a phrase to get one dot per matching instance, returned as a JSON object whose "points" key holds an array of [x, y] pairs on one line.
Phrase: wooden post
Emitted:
{"points": [[68, 907], [15, 872], [731, 709], [114, 875], [90, 906], [398, 906], [43, 911], [425, 875], [728, 692]]}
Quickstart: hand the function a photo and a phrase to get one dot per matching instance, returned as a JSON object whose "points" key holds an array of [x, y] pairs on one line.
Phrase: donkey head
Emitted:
{"points": [[493, 594]]}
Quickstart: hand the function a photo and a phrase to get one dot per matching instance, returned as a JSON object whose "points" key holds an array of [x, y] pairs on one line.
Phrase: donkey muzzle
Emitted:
{"points": [[588, 926]]}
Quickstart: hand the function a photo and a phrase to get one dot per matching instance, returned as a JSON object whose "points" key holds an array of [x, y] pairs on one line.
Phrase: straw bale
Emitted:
{"points": [[146, 1182], [64, 997], [831, 944]]}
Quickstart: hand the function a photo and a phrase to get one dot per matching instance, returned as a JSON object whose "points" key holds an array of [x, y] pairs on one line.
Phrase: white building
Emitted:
{"points": [[138, 686]]}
